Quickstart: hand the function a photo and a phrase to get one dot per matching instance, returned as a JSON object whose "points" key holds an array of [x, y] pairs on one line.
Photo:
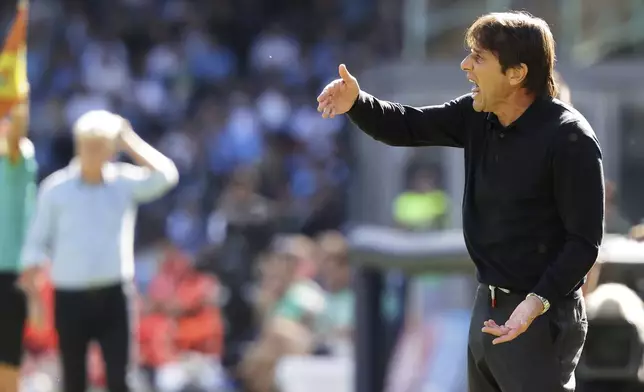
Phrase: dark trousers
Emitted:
{"points": [[542, 359], [101, 315], [13, 311]]}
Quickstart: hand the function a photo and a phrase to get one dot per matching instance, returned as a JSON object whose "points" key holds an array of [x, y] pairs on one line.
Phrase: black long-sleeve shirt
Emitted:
{"points": [[533, 205]]}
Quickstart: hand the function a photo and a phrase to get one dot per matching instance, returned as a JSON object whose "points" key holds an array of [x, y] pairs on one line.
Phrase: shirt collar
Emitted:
{"points": [[109, 170]]}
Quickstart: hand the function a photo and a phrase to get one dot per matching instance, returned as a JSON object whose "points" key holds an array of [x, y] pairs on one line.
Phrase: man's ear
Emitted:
{"points": [[518, 74]]}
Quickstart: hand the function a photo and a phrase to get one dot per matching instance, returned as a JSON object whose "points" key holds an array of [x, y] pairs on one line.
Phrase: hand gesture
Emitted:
{"points": [[125, 134], [524, 314], [31, 281], [340, 95]]}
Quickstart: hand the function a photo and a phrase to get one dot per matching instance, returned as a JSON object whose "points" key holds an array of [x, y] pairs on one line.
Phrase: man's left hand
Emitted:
{"points": [[518, 322], [30, 281]]}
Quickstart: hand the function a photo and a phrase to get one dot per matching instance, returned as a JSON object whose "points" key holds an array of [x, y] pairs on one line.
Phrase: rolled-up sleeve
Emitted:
{"points": [[147, 185], [37, 246]]}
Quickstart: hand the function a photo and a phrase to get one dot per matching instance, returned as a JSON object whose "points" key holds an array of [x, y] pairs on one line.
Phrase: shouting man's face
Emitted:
{"points": [[492, 87]]}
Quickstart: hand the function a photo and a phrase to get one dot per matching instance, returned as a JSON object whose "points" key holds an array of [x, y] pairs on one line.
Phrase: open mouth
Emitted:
{"points": [[475, 88]]}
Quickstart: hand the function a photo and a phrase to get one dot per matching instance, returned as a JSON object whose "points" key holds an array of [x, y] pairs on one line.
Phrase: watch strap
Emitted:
{"points": [[545, 302]]}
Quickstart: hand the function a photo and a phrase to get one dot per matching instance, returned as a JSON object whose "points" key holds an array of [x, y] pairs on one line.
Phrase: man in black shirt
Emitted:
{"points": [[533, 205]]}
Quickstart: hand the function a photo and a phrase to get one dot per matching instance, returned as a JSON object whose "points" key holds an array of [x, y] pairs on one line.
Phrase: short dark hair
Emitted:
{"points": [[516, 38]]}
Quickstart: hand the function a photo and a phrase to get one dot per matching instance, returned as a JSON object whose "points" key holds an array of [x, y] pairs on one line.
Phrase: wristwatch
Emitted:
{"points": [[545, 302]]}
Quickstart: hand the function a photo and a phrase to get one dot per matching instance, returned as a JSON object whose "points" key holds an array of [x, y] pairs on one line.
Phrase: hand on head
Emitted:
{"points": [[339, 96]]}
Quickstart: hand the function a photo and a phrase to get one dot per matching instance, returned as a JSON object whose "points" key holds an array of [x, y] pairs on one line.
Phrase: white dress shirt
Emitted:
{"points": [[87, 230]]}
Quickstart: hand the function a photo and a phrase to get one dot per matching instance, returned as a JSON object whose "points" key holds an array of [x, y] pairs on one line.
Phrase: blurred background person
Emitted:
{"points": [[335, 326], [83, 224], [423, 206], [17, 201], [289, 304], [239, 229], [181, 331], [17, 193]]}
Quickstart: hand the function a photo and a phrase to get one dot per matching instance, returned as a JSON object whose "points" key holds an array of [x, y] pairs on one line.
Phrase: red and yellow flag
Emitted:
{"points": [[14, 86]]}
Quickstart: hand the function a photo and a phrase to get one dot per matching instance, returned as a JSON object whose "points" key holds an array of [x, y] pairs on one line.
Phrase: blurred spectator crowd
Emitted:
{"points": [[243, 262]]}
